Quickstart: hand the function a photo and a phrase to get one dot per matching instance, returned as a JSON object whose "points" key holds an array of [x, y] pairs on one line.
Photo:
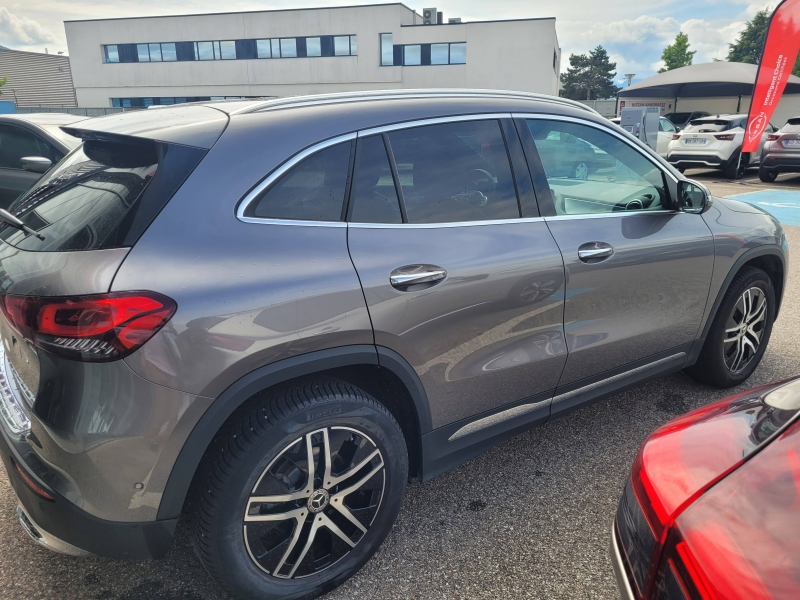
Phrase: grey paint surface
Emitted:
{"points": [[198, 126], [646, 298], [251, 294], [474, 340]]}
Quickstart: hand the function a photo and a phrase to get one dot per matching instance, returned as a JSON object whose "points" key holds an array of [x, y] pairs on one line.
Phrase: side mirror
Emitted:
{"points": [[36, 164], [692, 197]]}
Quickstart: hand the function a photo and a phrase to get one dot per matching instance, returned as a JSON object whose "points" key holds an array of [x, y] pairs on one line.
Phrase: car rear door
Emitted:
{"points": [[456, 282], [638, 271]]}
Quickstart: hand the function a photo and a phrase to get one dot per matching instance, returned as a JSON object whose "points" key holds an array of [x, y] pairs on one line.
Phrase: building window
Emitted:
{"points": [[412, 55], [299, 47], [313, 46], [263, 49], [168, 101], [341, 45], [458, 53], [440, 54], [288, 48], [203, 51], [168, 52], [227, 50], [112, 54], [387, 50]]}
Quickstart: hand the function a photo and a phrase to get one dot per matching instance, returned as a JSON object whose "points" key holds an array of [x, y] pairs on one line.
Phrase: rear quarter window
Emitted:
{"points": [[102, 195]]}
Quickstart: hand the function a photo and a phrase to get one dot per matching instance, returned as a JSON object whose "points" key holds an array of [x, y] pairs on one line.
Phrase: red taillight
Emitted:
{"points": [[35, 487], [773, 137], [676, 465], [97, 328], [676, 136], [727, 137], [741, 540]]}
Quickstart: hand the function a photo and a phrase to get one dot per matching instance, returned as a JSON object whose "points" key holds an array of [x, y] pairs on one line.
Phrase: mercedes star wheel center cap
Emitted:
{"points": [[318, 501]]}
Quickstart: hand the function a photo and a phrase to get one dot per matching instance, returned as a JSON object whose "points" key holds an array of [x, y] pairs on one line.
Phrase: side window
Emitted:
{"points": [[17, 143], [596, 173], [455, 172], [373, 197], [313, 190], [666, 125]]}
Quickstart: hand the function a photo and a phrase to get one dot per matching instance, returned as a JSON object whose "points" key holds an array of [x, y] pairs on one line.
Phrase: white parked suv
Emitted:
{"points": [[714, 142]]}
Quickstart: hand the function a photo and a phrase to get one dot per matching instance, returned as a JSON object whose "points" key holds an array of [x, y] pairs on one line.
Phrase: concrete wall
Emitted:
{"points": [[514, 55]]}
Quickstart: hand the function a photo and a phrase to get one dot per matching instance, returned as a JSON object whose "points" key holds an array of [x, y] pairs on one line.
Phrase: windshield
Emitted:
{"points": [[100, 195]]}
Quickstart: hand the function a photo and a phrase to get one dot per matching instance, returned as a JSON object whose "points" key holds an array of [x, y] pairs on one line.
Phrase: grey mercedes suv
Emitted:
{"points": [[264, 317]]}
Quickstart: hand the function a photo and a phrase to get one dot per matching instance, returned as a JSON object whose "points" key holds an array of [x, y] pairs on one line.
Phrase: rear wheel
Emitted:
{"points": [[298, 491], [767, 176], [740, 332], [736, 168]]}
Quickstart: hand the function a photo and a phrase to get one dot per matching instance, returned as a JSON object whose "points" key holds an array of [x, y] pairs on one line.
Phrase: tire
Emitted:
{"points": [[717, 364], [734, 170], [767, 176], [262, 451]]}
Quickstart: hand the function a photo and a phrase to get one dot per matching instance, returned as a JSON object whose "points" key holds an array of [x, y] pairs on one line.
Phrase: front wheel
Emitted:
{"points": [[740, 332], [298, 491]]}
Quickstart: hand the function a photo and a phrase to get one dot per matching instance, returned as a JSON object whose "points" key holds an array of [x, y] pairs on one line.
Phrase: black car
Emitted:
{"points": [[29, 145]]}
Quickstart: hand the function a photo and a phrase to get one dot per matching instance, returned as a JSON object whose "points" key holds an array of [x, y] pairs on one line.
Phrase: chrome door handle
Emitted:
{"points": [[409, 275], [595, 251]]}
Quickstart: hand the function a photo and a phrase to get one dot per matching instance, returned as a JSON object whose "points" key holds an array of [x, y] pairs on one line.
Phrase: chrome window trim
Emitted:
{"points": [[432, 121], [277, 173], [616, 134], [621, 213], [444, 225]]}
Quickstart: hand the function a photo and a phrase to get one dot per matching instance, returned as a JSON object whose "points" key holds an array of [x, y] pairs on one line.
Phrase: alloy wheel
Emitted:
{"points": [[314, 502], [744, 329], [581, 171]]}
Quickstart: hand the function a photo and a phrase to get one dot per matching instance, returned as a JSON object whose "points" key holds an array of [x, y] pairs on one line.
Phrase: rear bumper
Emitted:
{"points": [[62, 526], [781, 164], [698, 161], [625, 590]]}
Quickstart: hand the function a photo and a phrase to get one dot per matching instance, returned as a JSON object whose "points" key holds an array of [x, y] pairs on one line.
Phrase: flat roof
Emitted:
{"points": [[475, 22], [245, 12]]}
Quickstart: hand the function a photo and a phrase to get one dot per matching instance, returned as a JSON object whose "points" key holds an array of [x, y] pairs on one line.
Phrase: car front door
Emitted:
{"points": [[16, 143], [638, 271], [456, 282]]}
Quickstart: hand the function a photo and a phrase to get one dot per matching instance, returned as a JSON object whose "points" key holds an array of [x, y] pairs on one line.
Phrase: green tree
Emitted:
{"points": [[748, 47], [3, 81], [678, 54], [590, 77]]}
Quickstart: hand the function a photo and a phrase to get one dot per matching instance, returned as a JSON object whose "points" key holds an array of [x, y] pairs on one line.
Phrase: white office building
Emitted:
{"points": [[165, 60]]}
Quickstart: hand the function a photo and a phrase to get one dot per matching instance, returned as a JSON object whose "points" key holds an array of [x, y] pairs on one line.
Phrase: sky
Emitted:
{"points": [[634, 33]]}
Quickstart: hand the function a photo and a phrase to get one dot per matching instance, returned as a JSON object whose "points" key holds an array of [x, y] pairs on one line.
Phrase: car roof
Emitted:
{"points": [[44, 118], [201, 124]]}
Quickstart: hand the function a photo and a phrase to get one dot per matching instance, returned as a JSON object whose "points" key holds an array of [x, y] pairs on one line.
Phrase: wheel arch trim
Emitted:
{"points": [[759, 251], [240, 391]]}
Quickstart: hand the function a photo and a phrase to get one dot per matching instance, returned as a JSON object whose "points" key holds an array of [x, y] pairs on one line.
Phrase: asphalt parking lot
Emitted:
{"points": [[531, 518]]}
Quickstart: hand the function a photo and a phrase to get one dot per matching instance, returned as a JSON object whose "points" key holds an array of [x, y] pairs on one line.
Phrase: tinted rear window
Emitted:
{"points": [[102, 195], [679, 117], [793, 126], [711, 125]]}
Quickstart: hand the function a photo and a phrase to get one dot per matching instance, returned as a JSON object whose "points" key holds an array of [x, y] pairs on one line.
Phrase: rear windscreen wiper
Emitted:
{"points": [[9, 219]]}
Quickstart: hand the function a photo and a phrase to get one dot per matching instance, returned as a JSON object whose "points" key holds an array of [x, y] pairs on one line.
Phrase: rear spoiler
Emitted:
{"points": [[198, 126]]}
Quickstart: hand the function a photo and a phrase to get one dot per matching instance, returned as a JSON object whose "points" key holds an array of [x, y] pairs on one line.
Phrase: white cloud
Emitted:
{"points": [[22, 31]]}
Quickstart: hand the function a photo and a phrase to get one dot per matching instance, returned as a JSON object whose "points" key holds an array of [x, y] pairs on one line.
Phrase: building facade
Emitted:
{"points": [[166, 60], [36, 79]]}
